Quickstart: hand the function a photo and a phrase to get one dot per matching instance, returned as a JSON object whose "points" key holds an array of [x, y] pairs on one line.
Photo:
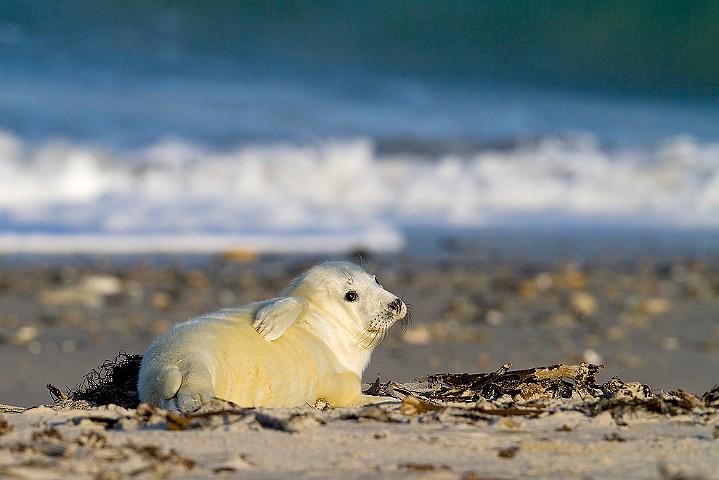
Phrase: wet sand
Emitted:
{"points": [[646, 318], [649, 320]]}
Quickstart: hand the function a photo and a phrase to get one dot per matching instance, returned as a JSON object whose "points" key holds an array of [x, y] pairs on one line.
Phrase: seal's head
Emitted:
{"points": [[348, 293]]}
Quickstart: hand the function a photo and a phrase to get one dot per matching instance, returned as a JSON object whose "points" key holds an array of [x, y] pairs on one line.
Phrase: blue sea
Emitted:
{"points": [[281, 126]]}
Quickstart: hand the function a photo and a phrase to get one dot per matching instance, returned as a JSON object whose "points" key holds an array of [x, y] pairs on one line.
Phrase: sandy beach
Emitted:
{"points": [[373, 442], [647, 320]]}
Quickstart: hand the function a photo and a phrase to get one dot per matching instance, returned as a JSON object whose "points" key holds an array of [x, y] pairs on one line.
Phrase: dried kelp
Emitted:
{"points": [[711, 398], [620, 398], [556, 381], [534, 391]]}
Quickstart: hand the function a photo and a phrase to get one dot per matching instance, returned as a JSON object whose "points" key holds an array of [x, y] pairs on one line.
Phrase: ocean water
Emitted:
{"points": [[333, 126]]}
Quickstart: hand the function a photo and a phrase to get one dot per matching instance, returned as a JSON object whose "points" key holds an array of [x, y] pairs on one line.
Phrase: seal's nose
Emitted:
{"points": [[395, 305]]}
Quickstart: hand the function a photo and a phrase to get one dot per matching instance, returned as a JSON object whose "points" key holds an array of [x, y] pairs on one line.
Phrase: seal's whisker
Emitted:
{"points": [[405, 322], [370, 338], [379, 336], [361, 340]]}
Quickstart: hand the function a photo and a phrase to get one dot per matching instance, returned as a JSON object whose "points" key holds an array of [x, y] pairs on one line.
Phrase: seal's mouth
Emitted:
{"points": [[406, 319], [376, 330]]}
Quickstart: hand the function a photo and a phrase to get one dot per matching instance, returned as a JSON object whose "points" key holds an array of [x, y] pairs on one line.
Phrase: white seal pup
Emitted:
{"points": [[311, 343]]}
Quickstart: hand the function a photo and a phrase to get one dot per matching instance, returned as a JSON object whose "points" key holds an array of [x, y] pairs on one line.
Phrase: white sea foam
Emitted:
{"points": [[335, 195]]}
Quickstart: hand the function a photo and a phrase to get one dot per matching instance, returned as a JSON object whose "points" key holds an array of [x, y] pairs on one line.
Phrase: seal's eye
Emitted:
{"points": [[376, 280], [351, 296]]}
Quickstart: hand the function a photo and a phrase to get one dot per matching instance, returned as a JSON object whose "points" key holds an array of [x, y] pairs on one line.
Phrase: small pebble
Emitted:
{"points": [[591, 356], [462, 307], [161, 301], [68, 346], [196, 279], [562, 320], [135, 292], [670, 344], [583, 304], [25, 334], [494, 318], [226, 297], [101, 285], [160, 326], [543, 281], [655, 305], [592, 340], [417, 335], [34, 347], [616, 332], [434, 360]]}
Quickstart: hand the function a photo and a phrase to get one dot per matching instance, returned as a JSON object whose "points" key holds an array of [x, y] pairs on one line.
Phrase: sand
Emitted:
{"points": [[652, 320], [371, 442]]}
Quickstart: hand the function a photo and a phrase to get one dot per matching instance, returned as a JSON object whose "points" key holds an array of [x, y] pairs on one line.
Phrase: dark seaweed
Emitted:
{"points": [[113, 382]]}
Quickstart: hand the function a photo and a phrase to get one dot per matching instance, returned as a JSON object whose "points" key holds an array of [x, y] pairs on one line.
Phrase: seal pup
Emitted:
{"points": [[313, 342]]}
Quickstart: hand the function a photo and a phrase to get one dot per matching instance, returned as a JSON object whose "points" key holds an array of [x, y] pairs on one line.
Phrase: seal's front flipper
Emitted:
{"points": [[171, 382], [196, 388], [274, 318]]}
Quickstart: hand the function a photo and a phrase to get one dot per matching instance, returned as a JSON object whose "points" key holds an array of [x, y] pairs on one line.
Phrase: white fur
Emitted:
{"points": [[311, 343]]}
